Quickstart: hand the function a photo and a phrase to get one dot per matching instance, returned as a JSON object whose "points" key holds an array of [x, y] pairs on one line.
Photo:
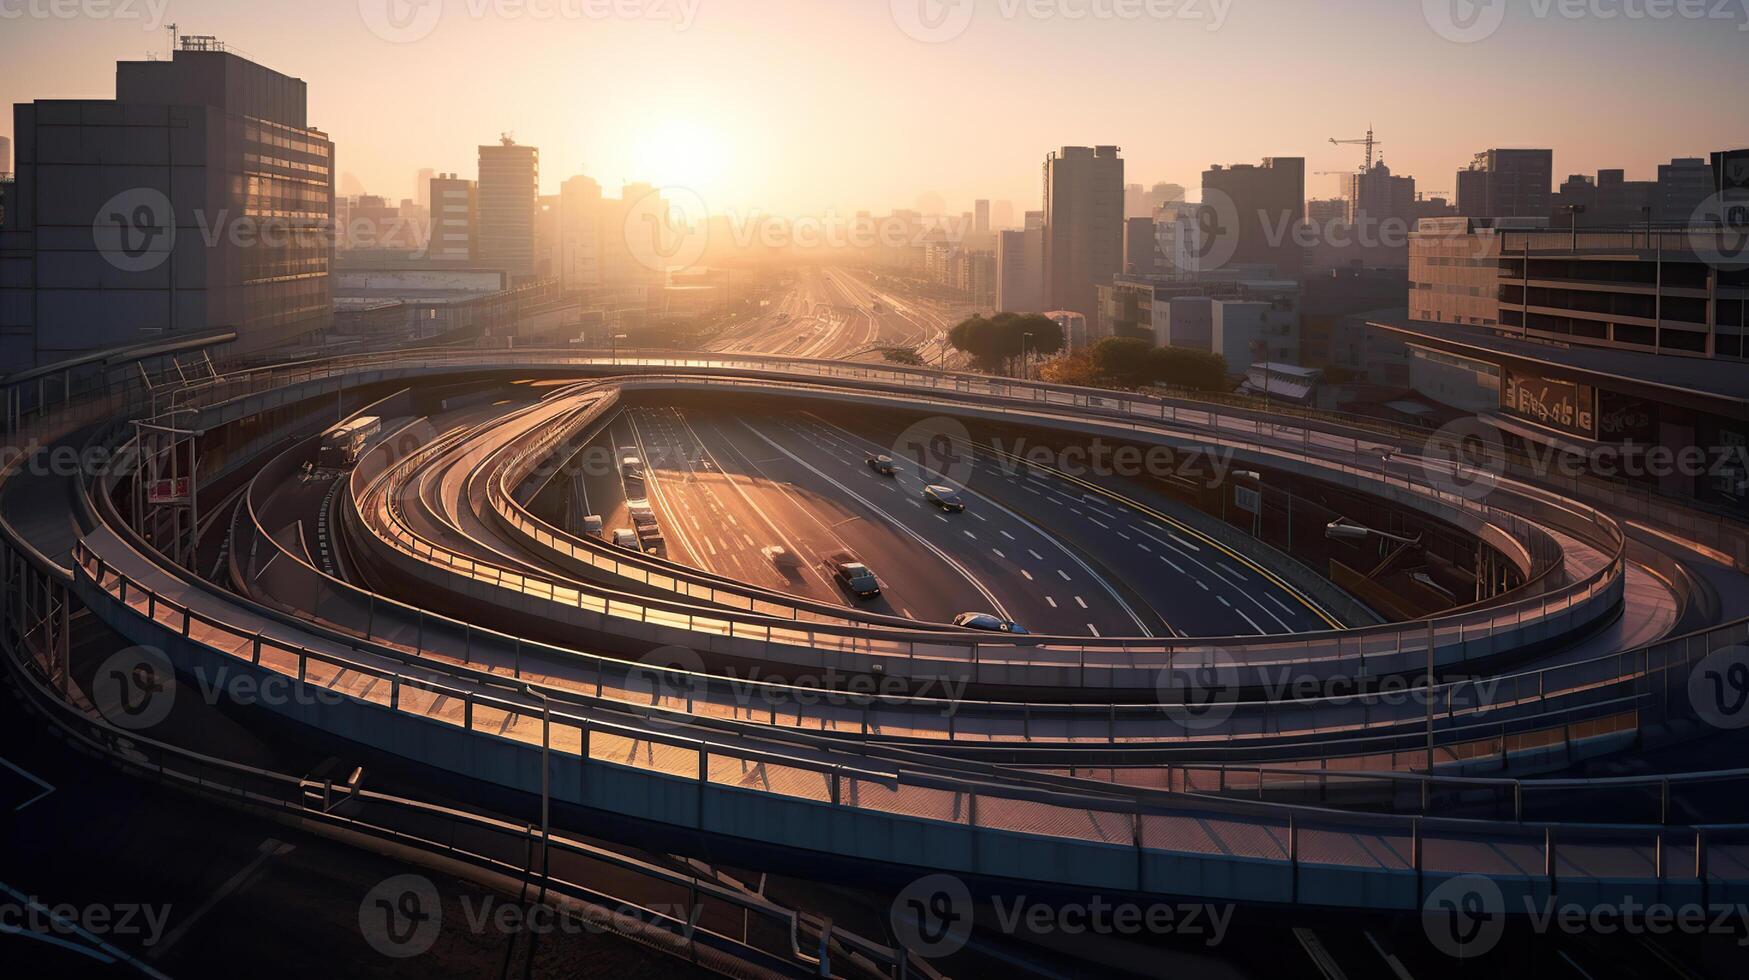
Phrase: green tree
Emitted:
{"points": [[1184, 367], [902, 355], [1124, 362], [992, 341]]}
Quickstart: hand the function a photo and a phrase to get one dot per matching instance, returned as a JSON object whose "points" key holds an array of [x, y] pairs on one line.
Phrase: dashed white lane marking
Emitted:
{"points": [[1094, 630], [1052, 601], [1247, 619], [1007, 535], [1081, 602], [1202, 585], [1064, 574], [998, 553], [1035, 554], [969, 534]]}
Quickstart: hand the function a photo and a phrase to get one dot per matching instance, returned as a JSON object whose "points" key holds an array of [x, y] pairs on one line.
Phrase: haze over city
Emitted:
{"points": [[874, 489], [803, 107]]}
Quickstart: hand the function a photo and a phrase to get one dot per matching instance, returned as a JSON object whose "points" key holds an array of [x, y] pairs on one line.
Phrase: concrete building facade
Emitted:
{"points": [[1266, 205], [507, 202], [454, 219], [198, 200], [1083, 225], [1507, 184], [1020, 257]]}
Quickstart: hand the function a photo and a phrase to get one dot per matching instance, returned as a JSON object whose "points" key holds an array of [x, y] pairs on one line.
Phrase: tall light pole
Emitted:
{"points": [[1342, 529], [1573, 213]]}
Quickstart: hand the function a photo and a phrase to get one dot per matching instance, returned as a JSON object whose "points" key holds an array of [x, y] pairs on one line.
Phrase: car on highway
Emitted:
{"points": [[947, 498], [631, 463], [625, 537], [853, 576], [782, 559], [593, 526], [989, 624], [883, 465]]}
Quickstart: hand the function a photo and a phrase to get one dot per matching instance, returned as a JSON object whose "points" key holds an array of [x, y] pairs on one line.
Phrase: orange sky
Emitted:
{"points": [[816, 106]]}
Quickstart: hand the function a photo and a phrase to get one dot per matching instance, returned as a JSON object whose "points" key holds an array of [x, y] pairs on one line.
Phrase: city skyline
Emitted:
{"points": [[712, 81]]}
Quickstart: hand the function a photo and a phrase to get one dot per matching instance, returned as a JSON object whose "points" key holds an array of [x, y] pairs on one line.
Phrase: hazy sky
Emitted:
{"points": [[808, 106]]}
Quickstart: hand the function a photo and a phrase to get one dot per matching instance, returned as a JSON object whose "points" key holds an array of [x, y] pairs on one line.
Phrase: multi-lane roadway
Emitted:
{"points": [[838, 313], [1054, 556]]}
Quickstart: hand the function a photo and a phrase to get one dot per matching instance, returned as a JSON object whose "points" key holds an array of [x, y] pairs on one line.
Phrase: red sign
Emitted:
{"points": [[169, 491]]}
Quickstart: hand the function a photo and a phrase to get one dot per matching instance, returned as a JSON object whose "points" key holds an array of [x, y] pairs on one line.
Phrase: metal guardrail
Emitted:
{"points": [[581, 740], [1459, 630], [323, 804], [387, 623]]}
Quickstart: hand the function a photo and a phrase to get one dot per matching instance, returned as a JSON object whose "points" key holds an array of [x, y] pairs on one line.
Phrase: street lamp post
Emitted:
{"points": [[1573, 213], [1345, 530]]}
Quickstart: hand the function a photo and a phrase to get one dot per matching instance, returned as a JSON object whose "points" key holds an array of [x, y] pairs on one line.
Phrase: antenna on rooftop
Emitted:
{"points": [[172, 29]]}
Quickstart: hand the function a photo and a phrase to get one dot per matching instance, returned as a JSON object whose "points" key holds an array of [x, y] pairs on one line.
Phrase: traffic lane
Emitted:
{"points": [[1200, 589], [724, 528], [1057, 579], [1020, 571], [823, 524]]}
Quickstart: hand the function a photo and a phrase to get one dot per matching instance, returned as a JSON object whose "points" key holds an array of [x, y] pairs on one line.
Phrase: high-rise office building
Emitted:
{"points": [[1002, 215], [1084, 225], [1377, 196], [1684, 184], [422, 187], [1020, 259], [981, 217], [5, 155], [580, 228], [453, 218], [1507, 184], [1140, 248], [1608, 200], [198, 200], [1267, 205], [1324, 213], [1034, 219], [508, 198]]}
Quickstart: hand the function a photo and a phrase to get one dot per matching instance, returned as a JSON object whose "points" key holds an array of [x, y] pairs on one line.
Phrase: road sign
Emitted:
{"points": [[1248, 500], [175, 491]]}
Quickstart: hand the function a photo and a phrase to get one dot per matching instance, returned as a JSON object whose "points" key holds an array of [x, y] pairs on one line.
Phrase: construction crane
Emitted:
{"points": [[1369, 143]]}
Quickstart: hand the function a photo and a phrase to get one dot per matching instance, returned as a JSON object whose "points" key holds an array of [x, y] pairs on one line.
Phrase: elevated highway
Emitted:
{"points": [[686, 708]]}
